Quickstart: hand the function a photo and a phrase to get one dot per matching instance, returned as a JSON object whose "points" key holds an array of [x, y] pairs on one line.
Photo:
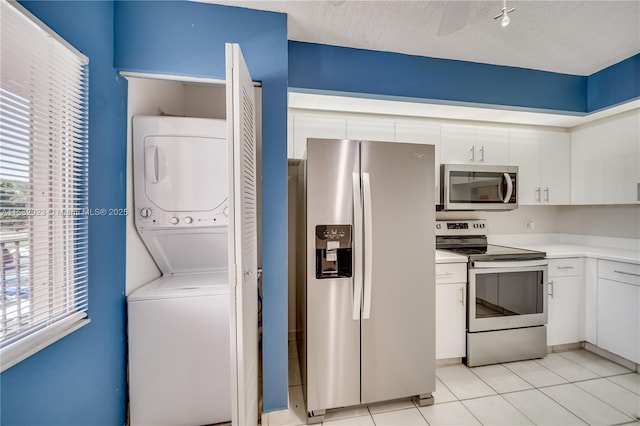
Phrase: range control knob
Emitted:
{"points": [[145, 212], [188, 219], [174, 220], [438, 226]]}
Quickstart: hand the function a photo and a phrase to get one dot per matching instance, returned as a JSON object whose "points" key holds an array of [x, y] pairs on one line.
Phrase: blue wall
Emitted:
{"points": [[185, 38], [332, 68], [614, 85], [81, 379]]}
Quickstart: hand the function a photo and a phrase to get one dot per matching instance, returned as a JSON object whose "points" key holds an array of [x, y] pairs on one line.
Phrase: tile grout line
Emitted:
{"points": [[605, 402], [537, 388], [617, 384], [585, 390], [500, 395]]}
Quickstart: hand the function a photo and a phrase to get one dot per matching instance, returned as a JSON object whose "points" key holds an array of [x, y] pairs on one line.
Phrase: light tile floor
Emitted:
{"points": [[567, 388]]}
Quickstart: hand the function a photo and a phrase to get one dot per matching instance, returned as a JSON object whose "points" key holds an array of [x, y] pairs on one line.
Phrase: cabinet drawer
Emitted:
{"points": [[565, 267], [451, 273], [618, 271]]}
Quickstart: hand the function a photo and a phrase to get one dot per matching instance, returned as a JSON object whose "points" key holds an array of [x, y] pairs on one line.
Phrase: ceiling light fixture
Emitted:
{"points": [[504, 14]]}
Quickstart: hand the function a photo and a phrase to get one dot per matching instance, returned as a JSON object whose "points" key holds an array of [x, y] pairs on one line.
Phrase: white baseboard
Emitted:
{"points": [[276, 418], [612, 357], [448, 361]]}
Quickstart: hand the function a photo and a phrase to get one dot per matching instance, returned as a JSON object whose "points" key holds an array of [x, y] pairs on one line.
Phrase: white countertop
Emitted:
{"points": [[443, 256], [566, 245]]}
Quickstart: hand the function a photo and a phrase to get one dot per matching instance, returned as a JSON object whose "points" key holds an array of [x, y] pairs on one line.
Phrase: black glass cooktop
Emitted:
{"points": [[495, 252]]}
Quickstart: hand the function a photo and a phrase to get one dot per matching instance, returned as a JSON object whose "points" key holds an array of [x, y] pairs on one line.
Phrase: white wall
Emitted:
{"points": [[621, 221], [544, 219]]}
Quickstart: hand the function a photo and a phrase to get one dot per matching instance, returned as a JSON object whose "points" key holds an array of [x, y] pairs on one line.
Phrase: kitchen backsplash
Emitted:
{"points": [[620, 221]]}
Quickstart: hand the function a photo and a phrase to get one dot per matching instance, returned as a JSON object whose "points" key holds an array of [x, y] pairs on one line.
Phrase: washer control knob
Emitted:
{"points": [[188, 219], [174, 220], [225, 212], [145, 212]]}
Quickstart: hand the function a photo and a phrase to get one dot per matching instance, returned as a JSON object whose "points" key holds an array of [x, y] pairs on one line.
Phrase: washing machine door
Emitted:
{"points": [[180, 172]]}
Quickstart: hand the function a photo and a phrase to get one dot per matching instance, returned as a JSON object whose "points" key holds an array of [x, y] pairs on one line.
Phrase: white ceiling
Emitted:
{"points": [[573, 37]]}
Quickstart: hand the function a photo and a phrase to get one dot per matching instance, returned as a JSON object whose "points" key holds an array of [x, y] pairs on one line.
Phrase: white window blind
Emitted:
{"points": [[43, 185]]}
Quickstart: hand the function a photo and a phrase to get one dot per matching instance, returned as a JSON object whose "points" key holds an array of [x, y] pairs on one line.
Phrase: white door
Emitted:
{"points": [[243, 239]]}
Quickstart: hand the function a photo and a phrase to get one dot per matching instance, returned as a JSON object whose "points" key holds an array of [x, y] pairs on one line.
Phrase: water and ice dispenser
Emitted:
{"points": [[333, 251]]}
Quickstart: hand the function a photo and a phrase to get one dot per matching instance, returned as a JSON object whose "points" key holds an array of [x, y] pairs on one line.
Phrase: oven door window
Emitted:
{"points": [[507, 294], [507, 298]]}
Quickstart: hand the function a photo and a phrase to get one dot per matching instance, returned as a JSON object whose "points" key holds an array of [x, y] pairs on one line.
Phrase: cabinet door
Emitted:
{"points": [[563, 325], [555, 167], [457, 144], [451, 320], [468, 144], [492, 145], [315, 126], [524, 152], [605, 161], [370, 130], [422, 133], [619, 318]]}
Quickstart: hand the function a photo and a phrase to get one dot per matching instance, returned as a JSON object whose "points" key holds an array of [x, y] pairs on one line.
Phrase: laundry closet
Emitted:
{"points": [[192, 247]]}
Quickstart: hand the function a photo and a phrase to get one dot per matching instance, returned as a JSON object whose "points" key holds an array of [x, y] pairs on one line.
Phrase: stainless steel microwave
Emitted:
{"points": [[478, 187]]}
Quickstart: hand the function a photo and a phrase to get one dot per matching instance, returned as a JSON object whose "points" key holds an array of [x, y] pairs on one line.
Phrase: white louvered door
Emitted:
{"points": [[243, 239]]}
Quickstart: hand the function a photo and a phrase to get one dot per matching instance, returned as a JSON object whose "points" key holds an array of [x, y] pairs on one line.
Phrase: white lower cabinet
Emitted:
{"points": [[618, 317], [451, 310], [566, 312]]}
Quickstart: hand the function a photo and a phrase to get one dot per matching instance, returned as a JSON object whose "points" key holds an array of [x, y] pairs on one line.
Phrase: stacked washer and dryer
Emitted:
{"points": [[179, 339]]}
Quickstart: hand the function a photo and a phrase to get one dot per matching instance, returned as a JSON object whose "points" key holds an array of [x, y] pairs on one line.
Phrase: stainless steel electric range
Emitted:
{"points": [[507, 295]]}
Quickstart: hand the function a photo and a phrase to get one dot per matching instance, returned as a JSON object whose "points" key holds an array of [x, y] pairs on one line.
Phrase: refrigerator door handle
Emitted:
{"points": [[368, 245], [357, 247]]}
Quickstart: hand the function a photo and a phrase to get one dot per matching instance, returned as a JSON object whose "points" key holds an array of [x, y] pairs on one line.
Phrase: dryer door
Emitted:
{"points": [[179, 172]]}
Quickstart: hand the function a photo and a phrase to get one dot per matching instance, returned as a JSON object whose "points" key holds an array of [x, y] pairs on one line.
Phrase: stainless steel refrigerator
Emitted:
{"points": [[365, 282]]}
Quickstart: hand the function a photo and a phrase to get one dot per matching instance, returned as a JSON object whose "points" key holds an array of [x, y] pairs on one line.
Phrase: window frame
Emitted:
{"points": [[64, 222]]}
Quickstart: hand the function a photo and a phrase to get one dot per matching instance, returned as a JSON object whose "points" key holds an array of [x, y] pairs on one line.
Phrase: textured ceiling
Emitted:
{"points": [[573, 37]]}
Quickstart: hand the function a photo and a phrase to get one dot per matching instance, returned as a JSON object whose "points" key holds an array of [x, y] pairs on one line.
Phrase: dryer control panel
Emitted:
{"points": [[148, 217]]}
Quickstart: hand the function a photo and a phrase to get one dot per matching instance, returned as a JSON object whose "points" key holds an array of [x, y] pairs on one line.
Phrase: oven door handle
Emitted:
{"points": [[509, 264]]}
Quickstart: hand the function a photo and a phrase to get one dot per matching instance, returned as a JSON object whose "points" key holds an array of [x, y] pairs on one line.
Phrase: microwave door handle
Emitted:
{"points": [[507, 196]]}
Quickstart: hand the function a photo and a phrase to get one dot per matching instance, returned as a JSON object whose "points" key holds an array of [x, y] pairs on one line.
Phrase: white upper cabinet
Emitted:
{"points": [[474, 144], [315, 126], [605, 161], [543, 160], [422, 132], [370, 129]]}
